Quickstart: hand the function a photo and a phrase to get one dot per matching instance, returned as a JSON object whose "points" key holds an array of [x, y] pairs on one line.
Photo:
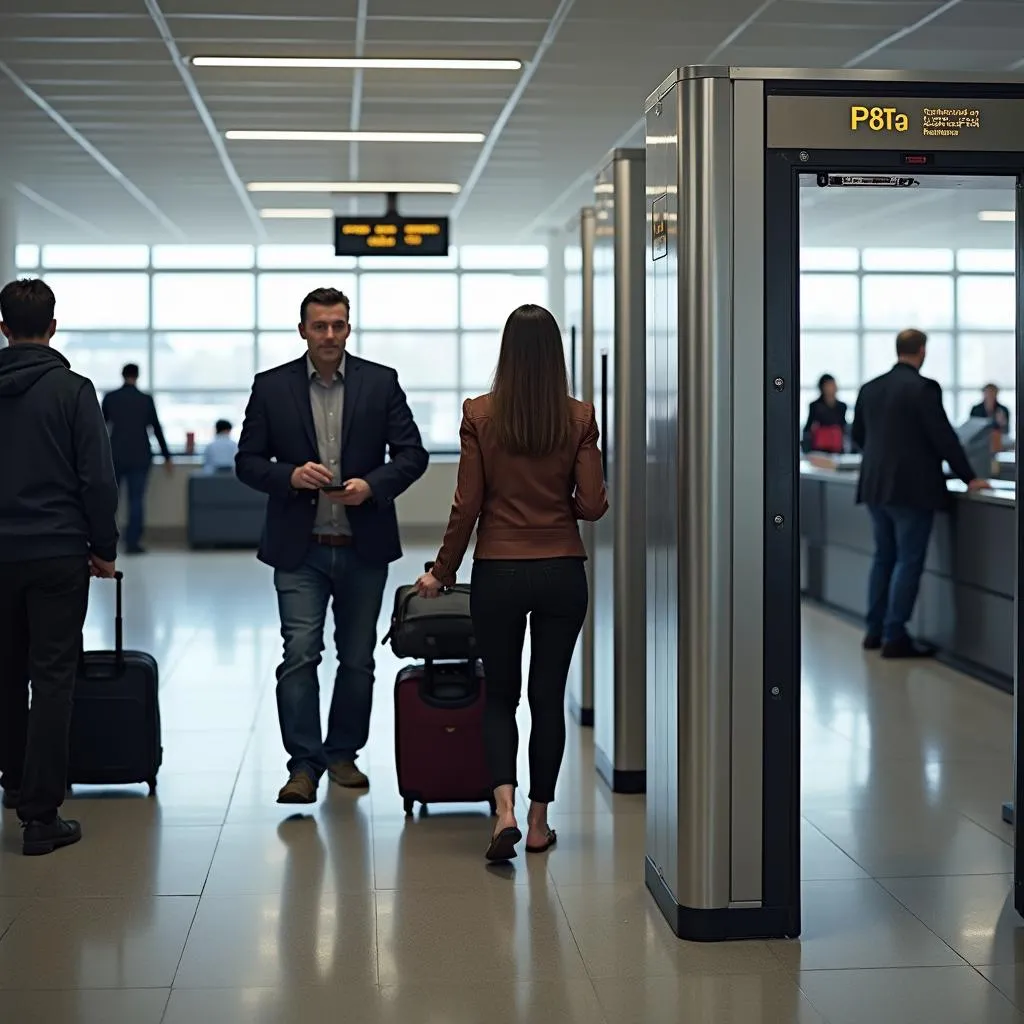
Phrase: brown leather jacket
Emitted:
{"points": [[526, 507]]}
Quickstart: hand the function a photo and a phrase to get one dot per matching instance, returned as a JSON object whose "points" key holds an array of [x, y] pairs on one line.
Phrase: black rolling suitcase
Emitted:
{"points": [[115, 722]]}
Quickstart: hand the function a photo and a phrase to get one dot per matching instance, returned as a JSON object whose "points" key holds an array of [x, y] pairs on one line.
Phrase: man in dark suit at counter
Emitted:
{"points": [[131, 414], [901, 427]]}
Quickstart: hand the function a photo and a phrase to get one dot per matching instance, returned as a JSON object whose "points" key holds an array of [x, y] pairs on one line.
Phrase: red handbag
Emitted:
{"points": [[828, 439]]}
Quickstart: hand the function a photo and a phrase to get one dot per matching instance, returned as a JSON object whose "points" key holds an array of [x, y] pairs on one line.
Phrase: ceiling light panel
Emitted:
{"points": [[997, 216], [296, 213], [360, 63], [357, 187], [318, 136]]}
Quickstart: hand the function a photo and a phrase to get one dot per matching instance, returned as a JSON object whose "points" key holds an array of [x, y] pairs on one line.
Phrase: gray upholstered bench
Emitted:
{"points": [[223, 512]]}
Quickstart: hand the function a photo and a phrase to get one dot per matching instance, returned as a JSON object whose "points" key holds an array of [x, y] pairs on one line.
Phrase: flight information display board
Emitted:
{"points": [[391, 236]]}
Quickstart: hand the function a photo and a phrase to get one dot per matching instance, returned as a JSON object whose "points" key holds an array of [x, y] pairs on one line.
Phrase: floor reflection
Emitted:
{"points": [[210, 903]]}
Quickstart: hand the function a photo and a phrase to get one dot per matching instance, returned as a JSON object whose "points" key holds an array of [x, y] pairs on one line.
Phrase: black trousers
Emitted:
{"points": [[553, 592], [42, 612]]}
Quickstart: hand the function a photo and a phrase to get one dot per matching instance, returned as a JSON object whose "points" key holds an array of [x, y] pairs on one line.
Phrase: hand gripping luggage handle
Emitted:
{"points": [[404, 607]]}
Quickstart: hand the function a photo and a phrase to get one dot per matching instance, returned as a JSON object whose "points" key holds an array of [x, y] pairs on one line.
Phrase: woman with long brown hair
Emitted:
{"points": [[529, 470]]}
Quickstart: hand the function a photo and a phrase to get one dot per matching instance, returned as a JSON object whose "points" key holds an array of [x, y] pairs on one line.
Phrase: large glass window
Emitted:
{"points": [[203, 361], [403, 301], [828, 300], [101, 355], [109, 302], [897, 301], [487, 299], [200, 320], [853, 303], [428, 359], [203, 301]]}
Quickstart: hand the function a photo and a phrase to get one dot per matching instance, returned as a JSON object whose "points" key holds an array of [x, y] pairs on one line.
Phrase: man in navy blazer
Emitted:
{"points": [[330, 438]]}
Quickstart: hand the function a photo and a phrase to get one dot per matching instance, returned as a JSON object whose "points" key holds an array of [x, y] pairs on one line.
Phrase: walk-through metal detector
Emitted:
{"points": [[581, 688], [617, 596], [726, 152]]}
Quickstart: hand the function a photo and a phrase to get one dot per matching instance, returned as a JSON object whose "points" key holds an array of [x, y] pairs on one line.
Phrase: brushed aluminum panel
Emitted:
{"points": [[705, 448], [748, 383], [629, 735]]}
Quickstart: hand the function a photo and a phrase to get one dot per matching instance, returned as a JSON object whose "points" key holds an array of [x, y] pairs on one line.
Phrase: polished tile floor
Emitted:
{"points": [[210, 905]]}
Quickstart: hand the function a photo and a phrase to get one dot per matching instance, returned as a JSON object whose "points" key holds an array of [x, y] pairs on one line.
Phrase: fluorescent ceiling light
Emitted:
{"points": [[360, 187], [607, 188], [1006, 216], [290, 136], [360, 63], [296, 213]]}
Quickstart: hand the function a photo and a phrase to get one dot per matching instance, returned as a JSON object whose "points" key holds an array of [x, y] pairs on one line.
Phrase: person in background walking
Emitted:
{"points": [[530, 468], [58, 524], [131, 414], [900, 425]]}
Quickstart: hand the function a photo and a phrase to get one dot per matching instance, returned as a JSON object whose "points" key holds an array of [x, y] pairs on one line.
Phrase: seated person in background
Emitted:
{"points": [[990, 408], [826, 420], [219, 456]]}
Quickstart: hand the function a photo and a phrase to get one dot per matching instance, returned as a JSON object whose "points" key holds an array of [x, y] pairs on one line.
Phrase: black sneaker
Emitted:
{"points": [[906, 647], [872, 642], [44, 837]]}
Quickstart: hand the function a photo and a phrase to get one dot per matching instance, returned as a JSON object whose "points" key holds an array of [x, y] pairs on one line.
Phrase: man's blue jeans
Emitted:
{"points": [[901, 545], [136, 481], [356, 589]]}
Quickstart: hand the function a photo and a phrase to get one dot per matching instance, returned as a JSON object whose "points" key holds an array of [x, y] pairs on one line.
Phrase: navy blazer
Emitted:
{"points": [[380, 443]]}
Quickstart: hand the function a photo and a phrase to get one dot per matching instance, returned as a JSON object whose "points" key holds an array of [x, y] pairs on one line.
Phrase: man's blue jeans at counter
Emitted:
{"points": [[356, 589], [901, 544], [135, 480]]}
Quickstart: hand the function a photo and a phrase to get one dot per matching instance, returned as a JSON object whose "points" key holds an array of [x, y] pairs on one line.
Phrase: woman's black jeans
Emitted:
{"points": [[553, 592]]}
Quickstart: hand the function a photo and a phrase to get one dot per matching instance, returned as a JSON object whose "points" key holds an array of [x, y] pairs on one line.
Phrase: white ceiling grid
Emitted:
{"points": [[109, 75]]}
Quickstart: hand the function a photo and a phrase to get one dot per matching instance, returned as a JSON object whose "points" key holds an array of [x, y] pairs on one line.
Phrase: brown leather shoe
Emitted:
{"points": [[347, 775], [299, 789]]}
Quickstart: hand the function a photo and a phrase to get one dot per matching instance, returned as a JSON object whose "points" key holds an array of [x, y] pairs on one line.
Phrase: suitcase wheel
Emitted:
{"points": [[410, 804]]}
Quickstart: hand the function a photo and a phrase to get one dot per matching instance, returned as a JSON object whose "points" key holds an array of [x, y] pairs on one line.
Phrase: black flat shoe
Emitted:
{"points": [[546, 845], [503, 845]]}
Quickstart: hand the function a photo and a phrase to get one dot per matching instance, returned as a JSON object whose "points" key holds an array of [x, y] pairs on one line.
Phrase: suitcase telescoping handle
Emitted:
{"points": [[91, 671], [118, 619]]}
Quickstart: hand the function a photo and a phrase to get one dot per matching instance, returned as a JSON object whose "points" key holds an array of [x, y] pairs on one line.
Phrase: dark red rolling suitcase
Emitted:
{"points": [[439, 743], [115, 721]]}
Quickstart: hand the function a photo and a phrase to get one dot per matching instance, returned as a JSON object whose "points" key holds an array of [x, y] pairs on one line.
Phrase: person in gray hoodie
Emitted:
{"points": [[58, 526]]}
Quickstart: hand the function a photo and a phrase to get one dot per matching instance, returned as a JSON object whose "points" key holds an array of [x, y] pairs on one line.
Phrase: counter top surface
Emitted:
{"points": [[1000, 492]]}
